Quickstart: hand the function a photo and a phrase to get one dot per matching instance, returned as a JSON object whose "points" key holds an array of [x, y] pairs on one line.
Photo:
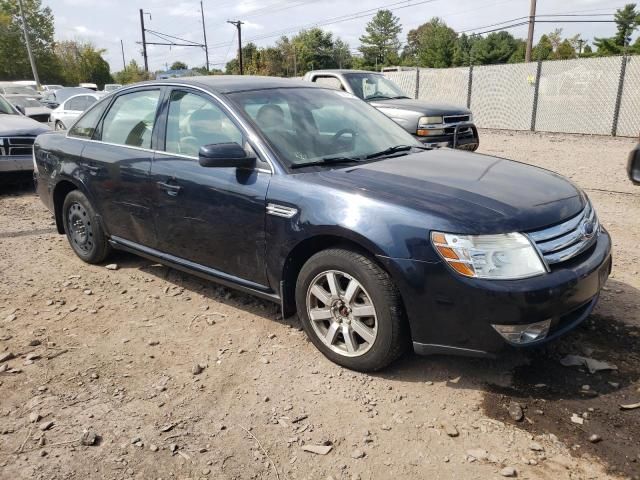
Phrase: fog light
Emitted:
{"points": [[523, 334]]}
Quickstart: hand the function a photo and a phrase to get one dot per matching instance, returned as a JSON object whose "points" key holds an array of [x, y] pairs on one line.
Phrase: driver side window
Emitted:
{"points": [[194, 121]]}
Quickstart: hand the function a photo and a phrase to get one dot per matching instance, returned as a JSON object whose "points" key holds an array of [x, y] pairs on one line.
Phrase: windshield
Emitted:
{"points": [[6, 108], [308, 125], [24, 101], [371, 86]]}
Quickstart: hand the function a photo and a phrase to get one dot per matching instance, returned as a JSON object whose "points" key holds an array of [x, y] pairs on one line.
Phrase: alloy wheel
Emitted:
{"points": [[342, 313]]}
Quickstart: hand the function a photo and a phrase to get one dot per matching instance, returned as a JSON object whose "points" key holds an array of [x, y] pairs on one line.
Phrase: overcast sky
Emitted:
{"points": [[106, 22]]}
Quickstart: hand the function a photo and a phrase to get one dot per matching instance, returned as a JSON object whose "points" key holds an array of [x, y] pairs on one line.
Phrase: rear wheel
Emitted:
{"points": [[83, 229], [351, 310]]}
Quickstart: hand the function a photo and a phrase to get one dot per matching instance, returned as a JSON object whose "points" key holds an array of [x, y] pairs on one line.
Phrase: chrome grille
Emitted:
{"points": [[22, 146], [567, 239]]}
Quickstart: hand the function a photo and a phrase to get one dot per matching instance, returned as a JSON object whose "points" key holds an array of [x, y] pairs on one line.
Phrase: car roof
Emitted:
{"points": [[233, 83]]}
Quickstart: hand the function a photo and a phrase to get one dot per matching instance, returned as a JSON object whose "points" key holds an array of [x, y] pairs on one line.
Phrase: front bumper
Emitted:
{"points": [[449, 313], [463, 136], [17, 163]]}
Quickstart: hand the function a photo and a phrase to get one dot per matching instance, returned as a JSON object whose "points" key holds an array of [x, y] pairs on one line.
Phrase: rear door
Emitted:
{"points": [[213, 217], [118, 164]]}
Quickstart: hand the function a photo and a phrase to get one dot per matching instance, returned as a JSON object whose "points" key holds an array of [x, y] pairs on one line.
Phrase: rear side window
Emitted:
{"points": [[130, 119], [86, 125]]}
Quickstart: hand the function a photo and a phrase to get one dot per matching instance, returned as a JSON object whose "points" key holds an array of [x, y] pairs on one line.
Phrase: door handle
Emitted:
{"points": [[169, 188]]}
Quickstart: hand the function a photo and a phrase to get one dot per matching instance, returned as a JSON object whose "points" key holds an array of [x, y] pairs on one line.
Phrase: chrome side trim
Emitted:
{"points": [[281, 210], [247, 129]]}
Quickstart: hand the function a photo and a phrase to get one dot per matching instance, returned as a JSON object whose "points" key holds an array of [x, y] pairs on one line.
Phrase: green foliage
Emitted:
{"points": [[178, 66], [132, 73], [14, 61], [82, 62], [495, 48], [431, 45], [309, 50], [380, 45], [627, 21]]}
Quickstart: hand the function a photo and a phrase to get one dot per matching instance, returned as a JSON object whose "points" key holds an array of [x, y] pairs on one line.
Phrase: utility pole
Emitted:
{"points": [[144, 42], [29, 52], [204, 32], [532, 25], [124, 63], [238, 24], [581, 43]]}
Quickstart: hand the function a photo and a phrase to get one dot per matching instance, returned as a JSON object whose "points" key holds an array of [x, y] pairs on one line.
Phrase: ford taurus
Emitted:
{"points": [[311, 198]]}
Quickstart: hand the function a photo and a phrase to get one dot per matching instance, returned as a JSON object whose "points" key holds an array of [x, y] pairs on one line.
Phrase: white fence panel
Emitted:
{"points": [[629, 119], [444, 85], [578, 96], [502, 95]]}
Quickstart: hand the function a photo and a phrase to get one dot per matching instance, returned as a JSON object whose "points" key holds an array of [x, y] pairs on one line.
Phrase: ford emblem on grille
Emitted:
{"points": [[587, 228]]}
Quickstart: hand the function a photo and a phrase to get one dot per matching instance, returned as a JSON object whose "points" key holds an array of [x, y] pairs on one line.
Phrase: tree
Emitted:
{"points": [[564, 51], [314, 50], [380, 45], [132, 73], [82, 62], [431, 45], [178, 66], [495, 48], [544, 49], [627, 21], [14, 61], [462, 50]]}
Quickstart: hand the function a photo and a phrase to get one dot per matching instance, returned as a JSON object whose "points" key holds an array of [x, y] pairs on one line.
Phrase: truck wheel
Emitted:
{"points": [[351, 310], [83, 229]]}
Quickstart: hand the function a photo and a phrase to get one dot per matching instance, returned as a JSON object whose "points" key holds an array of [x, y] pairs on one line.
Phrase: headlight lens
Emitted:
{"points": [[429, 121], [506, 256]]}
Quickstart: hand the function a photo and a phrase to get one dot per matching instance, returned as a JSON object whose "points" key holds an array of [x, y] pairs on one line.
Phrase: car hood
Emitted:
{"points": [[469, 192], [20, 125], [420, 106]]}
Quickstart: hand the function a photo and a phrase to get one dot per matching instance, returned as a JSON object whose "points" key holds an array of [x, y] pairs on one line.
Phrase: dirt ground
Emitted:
{"points": [[118, 353]]}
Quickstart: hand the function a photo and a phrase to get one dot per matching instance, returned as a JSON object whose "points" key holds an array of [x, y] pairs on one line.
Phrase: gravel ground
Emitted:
{"points": [[145, 372]]}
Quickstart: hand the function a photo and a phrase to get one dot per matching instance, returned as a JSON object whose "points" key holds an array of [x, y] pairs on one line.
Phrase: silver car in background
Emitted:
{"points": [[63, 116]]}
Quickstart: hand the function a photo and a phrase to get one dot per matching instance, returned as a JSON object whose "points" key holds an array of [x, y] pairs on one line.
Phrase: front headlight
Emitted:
{"points": [[505, 256], [430, 121]]}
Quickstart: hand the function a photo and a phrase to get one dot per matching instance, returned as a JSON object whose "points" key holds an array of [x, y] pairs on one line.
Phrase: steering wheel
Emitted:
{"points": [[339, 134]]}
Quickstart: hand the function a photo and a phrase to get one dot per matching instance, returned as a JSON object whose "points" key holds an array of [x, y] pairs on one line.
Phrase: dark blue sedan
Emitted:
{"points": [[313, 199]]}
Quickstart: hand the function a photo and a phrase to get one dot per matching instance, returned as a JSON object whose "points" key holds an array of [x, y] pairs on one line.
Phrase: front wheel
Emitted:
{"points": [[83, 229], [351, 310]]}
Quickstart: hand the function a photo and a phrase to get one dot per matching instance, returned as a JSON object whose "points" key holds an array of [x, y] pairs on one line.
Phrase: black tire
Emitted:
{"points": [[392, 337], [84, 232], [59, 126]]}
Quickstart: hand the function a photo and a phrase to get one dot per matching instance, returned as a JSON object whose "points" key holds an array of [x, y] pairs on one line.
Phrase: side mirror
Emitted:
{"points": [[223, 155], [20, 108], [633, 165]]}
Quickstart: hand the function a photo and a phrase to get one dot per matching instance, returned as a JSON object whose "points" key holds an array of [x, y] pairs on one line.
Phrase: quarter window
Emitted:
{"points": [[329, 82], [86, 125], [130, 119], [194, 121]]}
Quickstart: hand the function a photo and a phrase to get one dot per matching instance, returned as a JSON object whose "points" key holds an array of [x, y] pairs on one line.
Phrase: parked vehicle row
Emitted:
{"points": [[311, 198], [17, 135]]}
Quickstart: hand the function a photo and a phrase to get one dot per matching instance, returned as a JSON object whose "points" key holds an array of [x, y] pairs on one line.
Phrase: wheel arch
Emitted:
{"points": [[308, 247]]}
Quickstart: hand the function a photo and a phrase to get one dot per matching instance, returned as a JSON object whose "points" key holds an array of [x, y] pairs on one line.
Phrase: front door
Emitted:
{"points": [[213, 217], [118, 166]]}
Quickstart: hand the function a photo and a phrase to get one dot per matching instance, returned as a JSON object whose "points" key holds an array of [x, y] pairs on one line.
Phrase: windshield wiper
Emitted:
{"points": [[396, 149], [327, 161]]}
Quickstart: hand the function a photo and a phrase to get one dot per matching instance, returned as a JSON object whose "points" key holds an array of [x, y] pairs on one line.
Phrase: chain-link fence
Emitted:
{"points": [[598, 96]]}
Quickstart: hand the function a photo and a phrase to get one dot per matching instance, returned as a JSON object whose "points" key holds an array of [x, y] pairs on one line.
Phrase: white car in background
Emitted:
{"points": [[68, 111]]}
